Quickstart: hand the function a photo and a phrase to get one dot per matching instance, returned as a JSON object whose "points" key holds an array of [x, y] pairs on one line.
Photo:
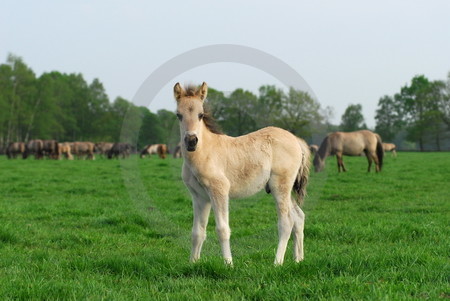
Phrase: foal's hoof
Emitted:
{"points": [[193, 259], [278, 263], [228, 262]]}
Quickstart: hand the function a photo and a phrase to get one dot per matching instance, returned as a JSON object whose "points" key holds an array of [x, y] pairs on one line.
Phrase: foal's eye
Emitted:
{"points": [[180, 117], [200, 116]]}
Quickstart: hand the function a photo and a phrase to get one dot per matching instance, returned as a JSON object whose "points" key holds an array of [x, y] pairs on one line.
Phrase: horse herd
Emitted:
{"points": [[53, 149], [69, 150]]}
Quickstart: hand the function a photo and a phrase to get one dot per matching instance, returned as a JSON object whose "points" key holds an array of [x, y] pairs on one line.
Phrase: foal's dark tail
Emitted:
{"points": [[301, 181], [380, 152]]}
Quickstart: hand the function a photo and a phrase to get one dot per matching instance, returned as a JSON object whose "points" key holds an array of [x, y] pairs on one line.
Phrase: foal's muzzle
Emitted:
{"points": [[191, 142]]}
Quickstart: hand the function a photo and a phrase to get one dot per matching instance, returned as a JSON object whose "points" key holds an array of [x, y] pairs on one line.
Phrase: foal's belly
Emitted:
{"points": [[244, 186]]}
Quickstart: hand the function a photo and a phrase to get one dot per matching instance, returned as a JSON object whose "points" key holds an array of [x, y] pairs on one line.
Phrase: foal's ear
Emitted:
{"points": [[178, 91], [203, 91]]}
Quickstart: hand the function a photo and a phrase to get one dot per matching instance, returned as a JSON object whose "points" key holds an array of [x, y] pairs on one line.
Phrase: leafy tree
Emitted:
{"points": [[243, 112], [98, 106], [421, 104], [300, 112], [389, 118], [216, 103], [77, 105], [151, 131], [47, 113], [434, 114], [6, 89], [168, 123], [119, 110], [269, 106], [235, 113], [444, 101], [20, 94], [353, 119]]}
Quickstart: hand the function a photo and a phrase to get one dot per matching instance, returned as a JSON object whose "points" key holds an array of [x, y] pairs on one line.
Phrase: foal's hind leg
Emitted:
{"points": [[282, 193], [299, 223]]}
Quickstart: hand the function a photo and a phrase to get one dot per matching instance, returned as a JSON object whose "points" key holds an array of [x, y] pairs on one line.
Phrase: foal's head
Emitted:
{"points": [[190, 113]]}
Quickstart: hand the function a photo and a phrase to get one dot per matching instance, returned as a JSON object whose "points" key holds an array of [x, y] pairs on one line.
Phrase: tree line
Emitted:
{"points": [[418, 113], [66, 107]]}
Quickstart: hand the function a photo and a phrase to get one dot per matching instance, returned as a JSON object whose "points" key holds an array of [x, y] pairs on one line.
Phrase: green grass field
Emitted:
{"points": [[120, 230]]}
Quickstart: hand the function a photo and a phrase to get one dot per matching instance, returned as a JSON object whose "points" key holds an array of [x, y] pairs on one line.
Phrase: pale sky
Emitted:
{"points": [[348, 52]]}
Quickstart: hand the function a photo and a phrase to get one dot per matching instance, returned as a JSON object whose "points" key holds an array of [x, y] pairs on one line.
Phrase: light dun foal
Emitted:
{"points": [[218, 167]]}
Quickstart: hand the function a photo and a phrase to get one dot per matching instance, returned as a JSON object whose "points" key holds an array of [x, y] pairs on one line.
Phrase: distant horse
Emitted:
{"points": [[149, 149], [119, 149], [350, 144], [160, 149], [14, 149], [65, 150], [218, 167], [177, 151], [51, 149], [81, 149], [390, 147], [102, 148], [34, 147], [313, 148]]}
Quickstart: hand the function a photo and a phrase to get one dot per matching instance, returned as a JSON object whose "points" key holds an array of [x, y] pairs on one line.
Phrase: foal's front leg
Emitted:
{"points": [[220, 207], [286, 215], [202, 208]]}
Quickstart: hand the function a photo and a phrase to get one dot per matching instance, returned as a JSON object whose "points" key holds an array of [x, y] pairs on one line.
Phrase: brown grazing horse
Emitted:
{"points": [[65, 150], [162, 151], [151, 149], [102, 148], [350, 144], [120, 149], [83, 149], [51, 149], [14, 149], [390, 147], [35, 147], [218, 167]]}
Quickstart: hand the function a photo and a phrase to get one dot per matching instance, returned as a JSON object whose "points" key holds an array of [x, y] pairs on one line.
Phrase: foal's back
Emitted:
{"points": [[248, 161]]}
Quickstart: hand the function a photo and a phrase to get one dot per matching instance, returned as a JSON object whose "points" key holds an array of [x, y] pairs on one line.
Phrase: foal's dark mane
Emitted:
{"points": [[209, 121]]}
